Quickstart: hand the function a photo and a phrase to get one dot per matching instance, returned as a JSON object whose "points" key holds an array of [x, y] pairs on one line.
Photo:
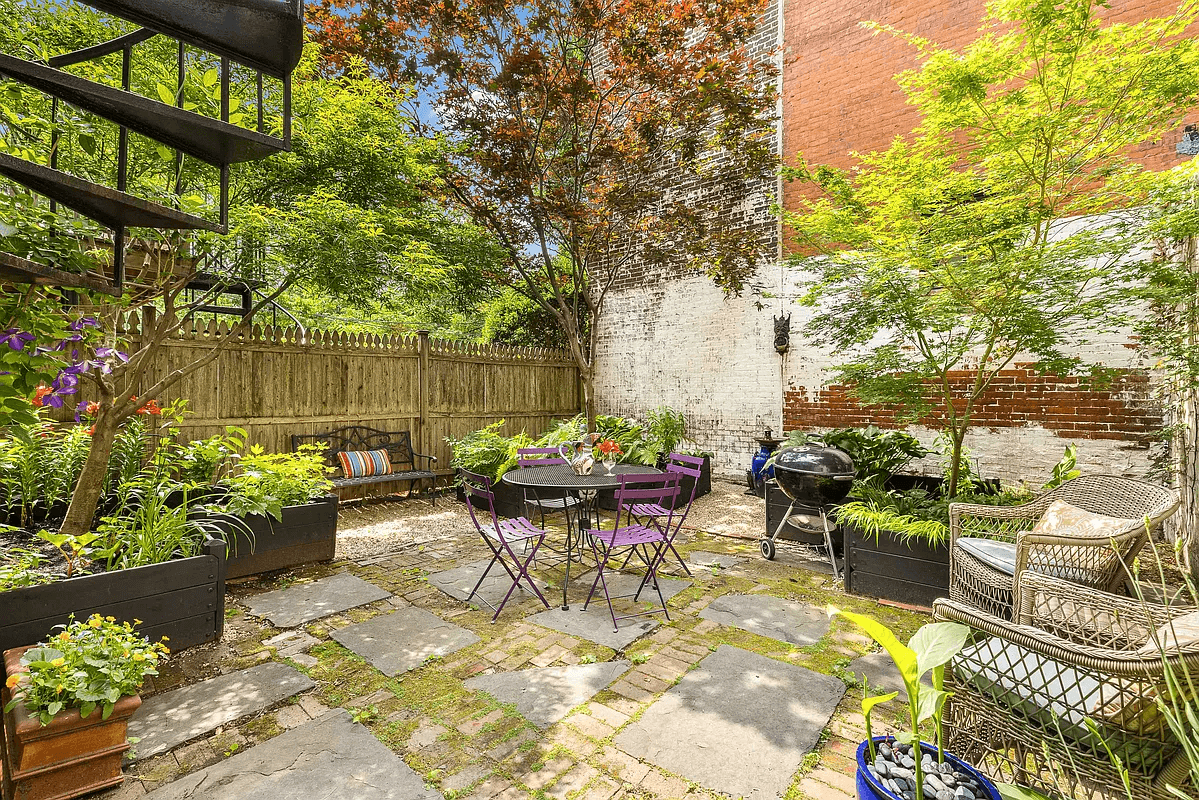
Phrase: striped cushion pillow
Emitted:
{"points": [[364, 463]]}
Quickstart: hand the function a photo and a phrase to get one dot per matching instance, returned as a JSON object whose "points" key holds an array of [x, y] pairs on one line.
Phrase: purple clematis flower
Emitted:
{"points": [[16, 339], [65, 383], [108, 358], [84, 322], [53, 400], [65, 343], [79, 409]]}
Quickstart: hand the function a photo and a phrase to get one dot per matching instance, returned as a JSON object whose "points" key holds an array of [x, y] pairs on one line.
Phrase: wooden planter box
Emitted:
{"points": [[509, 500], [910, 572], [305, 534], [183, 599], [71, 756]]}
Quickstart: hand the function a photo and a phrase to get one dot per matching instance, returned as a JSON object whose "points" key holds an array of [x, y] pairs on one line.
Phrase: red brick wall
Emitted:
{"points": [[1017, 397], [838, 90]]}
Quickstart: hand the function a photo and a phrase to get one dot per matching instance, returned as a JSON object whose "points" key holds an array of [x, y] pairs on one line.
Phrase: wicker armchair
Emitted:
{"points": [[1023, 693], [991, 546]]}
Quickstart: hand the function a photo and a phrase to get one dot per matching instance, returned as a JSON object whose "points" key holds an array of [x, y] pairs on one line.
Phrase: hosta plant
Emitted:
{"points": [[88, 665]]}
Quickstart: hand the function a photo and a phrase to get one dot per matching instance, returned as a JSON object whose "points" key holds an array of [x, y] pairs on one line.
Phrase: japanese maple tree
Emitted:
{"points": [[594, 136]]}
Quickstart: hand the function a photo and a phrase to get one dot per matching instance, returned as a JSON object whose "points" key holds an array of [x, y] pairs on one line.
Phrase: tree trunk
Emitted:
{"points": [[86, 497], [957, 438], [587, 379]]}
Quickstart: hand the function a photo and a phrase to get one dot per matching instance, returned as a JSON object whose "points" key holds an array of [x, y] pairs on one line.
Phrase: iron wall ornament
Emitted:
{"points": [[782, 333]]}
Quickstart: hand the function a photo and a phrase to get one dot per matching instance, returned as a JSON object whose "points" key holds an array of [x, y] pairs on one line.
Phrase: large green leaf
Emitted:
{"points": [[1009, 791], [929, 702], [937, 642], [903, 656]]}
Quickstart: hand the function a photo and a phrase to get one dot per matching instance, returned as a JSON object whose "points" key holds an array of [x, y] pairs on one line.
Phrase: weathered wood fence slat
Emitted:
{"points": [[278, 381]]}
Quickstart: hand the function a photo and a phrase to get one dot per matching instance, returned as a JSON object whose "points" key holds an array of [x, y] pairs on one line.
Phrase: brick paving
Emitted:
{"points": [[466, 744]]}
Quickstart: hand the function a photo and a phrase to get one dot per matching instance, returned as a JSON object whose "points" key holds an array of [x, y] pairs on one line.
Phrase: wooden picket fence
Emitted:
{"points": [[278, 381]]}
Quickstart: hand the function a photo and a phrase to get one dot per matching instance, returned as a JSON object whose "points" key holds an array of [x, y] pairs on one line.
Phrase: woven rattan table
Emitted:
{"points": [[559, 479]]}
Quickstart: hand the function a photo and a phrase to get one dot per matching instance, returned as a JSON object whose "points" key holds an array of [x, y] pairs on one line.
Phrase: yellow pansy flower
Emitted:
{"points": [[12, 681], [58, 662], [138, 657], [95, 622], [66, 637]]}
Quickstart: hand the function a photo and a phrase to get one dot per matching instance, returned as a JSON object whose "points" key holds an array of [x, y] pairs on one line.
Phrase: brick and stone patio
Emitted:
{"points": [[745, 691]]}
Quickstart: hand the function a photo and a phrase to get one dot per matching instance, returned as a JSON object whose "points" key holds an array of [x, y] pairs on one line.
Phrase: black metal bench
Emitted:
{"points": [[398, 445]]}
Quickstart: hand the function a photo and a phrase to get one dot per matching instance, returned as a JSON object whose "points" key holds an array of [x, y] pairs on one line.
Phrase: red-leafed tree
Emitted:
{"points": [[592, 136]]}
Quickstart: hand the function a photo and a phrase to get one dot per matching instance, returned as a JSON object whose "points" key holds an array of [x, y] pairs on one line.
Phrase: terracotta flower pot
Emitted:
{"points": [[71, 756]]}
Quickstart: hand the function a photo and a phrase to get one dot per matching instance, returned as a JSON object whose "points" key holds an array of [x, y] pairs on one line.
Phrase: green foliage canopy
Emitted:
{"points": [[1002, 230]]}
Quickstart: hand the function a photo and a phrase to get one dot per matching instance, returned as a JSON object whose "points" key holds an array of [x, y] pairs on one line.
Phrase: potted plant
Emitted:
{"points": [[276, 511], [488, 452], [147, 554], [67, 702], [903, 767], [897, 539]]}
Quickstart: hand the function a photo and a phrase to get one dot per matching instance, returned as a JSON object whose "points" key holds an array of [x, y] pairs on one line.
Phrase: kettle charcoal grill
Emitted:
{"points": [[815, 478]]}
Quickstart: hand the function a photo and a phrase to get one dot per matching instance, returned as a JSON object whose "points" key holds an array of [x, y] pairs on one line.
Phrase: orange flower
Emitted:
{"points": [[40, 393], [151, 407], [12, 681]]}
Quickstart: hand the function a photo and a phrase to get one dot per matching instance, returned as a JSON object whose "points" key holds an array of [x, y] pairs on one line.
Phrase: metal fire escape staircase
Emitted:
{"points": [[265, 35]]}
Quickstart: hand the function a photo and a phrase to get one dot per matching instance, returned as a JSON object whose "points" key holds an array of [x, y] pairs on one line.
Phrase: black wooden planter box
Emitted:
{"points": [[509, 499], [910, 572], [307, 533], [183, 600], [607, 498]]}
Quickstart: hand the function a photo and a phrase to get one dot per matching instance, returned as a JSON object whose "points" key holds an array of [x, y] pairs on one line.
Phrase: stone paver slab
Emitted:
{"points": [[402, 640], [544, 696], [331, 757], [882, 674], [706, 559], [295, 605], [595, 625], [626, 583], [171, 718], [458, 582], [798, 623], [740, 723]]}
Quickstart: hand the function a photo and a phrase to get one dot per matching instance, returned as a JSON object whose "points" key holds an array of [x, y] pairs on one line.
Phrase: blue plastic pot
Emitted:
{"points": [[870, 789]]}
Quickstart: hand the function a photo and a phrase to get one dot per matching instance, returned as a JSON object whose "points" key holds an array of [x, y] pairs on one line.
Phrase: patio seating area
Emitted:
{"points": [[742, 692]]}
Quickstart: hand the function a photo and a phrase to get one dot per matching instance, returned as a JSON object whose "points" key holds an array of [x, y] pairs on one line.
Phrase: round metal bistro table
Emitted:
{"points": [[561, 480]]}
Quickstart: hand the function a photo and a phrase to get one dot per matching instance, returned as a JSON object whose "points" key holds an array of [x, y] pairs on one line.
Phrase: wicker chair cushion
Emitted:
{"points": [[1181, 633], [1059, 698], [992, 552], [1063, 518], [1032, 685]]}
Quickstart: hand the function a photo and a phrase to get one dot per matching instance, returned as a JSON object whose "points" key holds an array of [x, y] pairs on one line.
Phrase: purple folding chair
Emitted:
{"points": [[500, 535], [544, 457], [654, 513], [647, 540]]}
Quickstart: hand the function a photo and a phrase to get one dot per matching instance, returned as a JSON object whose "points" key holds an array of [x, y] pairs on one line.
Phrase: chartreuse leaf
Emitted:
{"points": [[903, 656], [868, 703], [937, 642]]}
